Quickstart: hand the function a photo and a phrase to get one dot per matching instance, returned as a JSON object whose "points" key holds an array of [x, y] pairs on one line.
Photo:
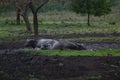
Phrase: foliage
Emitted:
{"points": [[93, 7]]}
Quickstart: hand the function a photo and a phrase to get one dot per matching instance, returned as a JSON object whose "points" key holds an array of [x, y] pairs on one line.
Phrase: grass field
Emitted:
{"points": [[102, 52], [60, 23], [14, 32]]}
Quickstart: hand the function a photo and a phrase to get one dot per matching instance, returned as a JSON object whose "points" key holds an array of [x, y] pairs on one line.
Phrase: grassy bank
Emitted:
{"points": [[16, 32], [102, 52]]}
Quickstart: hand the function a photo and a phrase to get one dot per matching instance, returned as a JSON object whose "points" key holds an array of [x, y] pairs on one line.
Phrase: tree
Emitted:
{"points": [[18, 16], [91, 7], [35, 6], [22, 7]]}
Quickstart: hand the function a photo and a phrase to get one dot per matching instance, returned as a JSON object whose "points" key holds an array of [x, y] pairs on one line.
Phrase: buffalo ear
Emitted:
{"points": [[34, 40], [29, 40]]}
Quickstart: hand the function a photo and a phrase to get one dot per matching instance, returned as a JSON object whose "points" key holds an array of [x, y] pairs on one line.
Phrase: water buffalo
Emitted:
{"points": [[41, 43], [51, 44], [71, 45]]}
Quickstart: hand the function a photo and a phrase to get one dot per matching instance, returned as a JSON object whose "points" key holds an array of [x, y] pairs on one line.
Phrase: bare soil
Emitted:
{"points": [[20, 66]]}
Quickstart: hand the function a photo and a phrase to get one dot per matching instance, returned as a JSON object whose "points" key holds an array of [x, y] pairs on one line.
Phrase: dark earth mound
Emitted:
{"points": [[21, 66]]}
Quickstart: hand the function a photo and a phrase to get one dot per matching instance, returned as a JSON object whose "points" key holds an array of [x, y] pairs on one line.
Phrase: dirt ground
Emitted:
{"points": [[21, 66]]}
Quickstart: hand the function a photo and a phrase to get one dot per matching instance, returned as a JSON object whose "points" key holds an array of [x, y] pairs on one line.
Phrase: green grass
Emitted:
{"points": [[60, 23], [16, 32], [102, 52]]}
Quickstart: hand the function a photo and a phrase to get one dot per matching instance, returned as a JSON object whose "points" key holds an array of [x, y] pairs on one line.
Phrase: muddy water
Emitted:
{"points": [[9, 47], [101, 45]]}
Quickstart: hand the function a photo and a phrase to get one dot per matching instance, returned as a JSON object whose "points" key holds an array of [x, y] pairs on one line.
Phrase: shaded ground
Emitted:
{"points": [[20, 66]]}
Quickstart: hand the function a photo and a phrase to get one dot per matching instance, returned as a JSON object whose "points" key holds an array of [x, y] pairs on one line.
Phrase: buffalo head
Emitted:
{"points": [[30, 43]]}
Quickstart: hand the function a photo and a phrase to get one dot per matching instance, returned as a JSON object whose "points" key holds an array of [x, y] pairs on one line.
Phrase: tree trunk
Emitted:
{"points": [[88, 12], [27, 23], [18, 17], [35, 22], [88, 19], [35, 18]]}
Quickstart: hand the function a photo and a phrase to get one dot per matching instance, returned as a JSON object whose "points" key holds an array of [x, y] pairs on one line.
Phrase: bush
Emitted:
{"points": [[112, 23], [11, 22]]}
